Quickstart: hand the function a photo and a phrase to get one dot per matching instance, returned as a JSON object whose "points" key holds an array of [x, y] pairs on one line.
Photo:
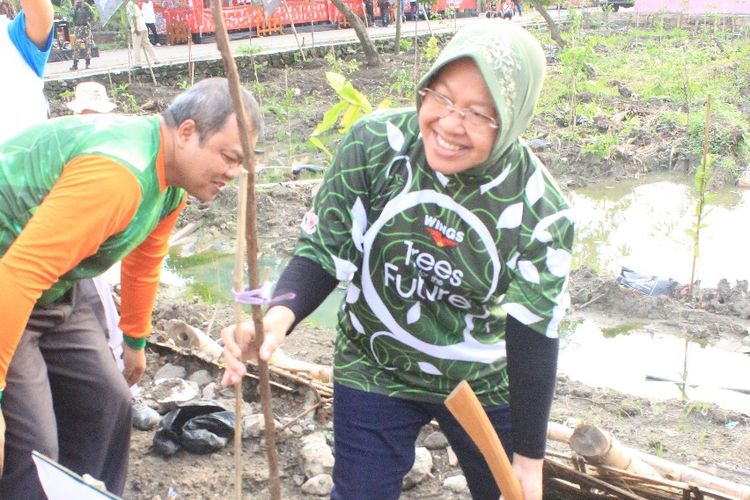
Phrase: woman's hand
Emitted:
{"points": [[276, 323], [529, 473]]}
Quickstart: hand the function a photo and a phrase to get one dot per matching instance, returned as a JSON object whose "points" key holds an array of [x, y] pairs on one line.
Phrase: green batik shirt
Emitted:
{"points": [[435, 262], [32, 162]]}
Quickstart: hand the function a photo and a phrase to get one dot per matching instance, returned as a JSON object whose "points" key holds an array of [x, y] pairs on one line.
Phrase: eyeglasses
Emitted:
{"points": [[474, 121]]}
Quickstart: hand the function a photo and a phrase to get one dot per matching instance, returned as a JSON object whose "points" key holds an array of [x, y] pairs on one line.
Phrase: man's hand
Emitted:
{"points": [[2, 442], [276, 322], [135, 364]]}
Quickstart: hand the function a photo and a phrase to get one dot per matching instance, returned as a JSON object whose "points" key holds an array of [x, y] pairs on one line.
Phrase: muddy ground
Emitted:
{"points": [[681, 431]]}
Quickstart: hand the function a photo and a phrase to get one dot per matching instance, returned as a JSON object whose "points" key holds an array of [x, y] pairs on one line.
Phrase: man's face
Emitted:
{"points": [[450, 146], [204, 169]]}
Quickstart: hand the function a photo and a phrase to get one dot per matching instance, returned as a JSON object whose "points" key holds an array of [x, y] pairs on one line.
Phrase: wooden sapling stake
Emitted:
{"points": [[222, 42], [467, 409], [150, 66], [294, 30], [239, 285], [191, 66]]}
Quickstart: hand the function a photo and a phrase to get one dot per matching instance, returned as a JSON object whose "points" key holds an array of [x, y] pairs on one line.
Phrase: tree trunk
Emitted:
{"points": [[554, 31], [372, 56]]}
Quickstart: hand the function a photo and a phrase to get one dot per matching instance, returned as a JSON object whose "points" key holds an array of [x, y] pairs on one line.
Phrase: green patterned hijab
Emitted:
{"points": [[512, 64]]}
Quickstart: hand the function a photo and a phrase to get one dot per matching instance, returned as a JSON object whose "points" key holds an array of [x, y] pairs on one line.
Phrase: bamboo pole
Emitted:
{"points": [[665, 468], [239, 285], [294, 29], [130, 58], [600, 447], [191, 72], [148, 62], [222, 41]]}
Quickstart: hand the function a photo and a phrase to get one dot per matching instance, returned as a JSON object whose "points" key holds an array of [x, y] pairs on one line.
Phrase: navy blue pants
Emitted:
{"points": [[374, 438]]}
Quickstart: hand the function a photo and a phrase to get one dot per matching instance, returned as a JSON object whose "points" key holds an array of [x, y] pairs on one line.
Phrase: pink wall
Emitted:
{"points": [[694, 6]]}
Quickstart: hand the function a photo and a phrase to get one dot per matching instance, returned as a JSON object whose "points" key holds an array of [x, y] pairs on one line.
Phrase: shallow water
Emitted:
{"points": [[623, 362], [643, 225]]}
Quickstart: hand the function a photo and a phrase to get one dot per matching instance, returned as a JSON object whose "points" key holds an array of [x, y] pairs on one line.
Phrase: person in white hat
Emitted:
{"points": [[91, 97]]}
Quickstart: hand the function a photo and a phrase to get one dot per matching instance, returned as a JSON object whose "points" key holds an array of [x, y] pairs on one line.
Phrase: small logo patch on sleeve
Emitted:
{"points": [[309, 222]]}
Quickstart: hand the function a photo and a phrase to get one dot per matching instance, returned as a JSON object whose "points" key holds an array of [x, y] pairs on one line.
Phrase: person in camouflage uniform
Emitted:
{"points": [[456, 243], [82, 17]]}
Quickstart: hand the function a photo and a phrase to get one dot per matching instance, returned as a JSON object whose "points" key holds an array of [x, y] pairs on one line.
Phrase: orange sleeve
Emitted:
{"points": [[140, 278], [93, 199]]}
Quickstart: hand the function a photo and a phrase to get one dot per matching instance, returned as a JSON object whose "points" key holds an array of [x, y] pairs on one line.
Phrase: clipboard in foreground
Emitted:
{"points": [[61, 483]]}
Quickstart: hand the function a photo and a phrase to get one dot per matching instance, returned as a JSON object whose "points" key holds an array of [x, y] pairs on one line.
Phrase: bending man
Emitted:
{"points": [[78, 194]]}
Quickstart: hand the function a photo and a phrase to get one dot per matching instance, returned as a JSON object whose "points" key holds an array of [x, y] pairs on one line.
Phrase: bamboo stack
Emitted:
{"points": [[602, 467]]}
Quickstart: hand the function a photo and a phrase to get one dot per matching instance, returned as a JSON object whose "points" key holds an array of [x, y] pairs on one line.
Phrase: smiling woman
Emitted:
{"points": [[456, 242], [457, 135]]}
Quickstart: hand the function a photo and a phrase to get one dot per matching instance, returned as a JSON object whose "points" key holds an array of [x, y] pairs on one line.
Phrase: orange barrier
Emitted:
{"points": [[269, 26]]}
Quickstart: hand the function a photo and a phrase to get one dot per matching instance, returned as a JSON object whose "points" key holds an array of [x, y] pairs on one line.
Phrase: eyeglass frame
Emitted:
{"points": [[492, 123]]}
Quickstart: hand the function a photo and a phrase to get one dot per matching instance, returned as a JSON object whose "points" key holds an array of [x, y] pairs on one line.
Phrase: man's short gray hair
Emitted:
{"points": [[209, 104]]}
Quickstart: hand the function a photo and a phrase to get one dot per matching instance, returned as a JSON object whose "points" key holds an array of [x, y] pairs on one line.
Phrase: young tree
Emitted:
{"points": [[554, 30], [372, 56]]}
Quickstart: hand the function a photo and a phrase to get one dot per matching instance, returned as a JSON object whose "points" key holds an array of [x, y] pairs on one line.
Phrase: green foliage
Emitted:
{"points": [[701, 185], [602, 146], [249, 50], [431, 50], [574, 59], [351, 107], [125, 100], [402, 83], [203, 290], [405, 45], [696, 407], [657, 447], [340, 66], [258, 90], [64, 10], [670, 69], [728, 138]]}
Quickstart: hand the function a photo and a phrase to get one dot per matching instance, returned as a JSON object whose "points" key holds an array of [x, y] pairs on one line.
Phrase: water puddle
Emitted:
{"points": [[211, 277], [625, 362], [644, 227]]}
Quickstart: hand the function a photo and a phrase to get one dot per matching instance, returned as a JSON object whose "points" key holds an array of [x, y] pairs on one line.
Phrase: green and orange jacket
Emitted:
{"points": [[77, 195]]}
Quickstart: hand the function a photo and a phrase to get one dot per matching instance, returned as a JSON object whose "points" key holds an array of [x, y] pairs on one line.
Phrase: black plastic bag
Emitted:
{"points": [[212, 428], [208, 433], [647, 285]]}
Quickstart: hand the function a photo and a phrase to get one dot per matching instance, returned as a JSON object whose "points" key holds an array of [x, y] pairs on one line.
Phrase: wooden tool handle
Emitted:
{"points": [[467, 409]]}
